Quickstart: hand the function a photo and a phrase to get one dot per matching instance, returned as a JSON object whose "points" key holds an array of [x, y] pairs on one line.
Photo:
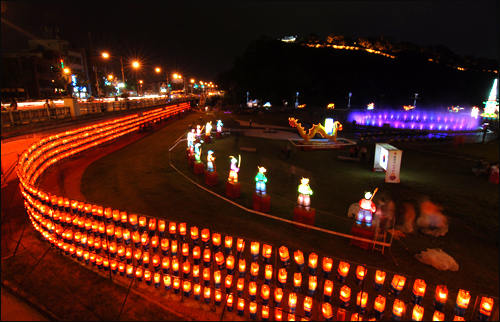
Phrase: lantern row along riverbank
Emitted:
{"points": [[257, 279]]}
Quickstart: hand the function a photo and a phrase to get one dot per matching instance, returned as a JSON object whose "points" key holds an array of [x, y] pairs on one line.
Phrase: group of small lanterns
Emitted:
{"points": [[85, 231]]}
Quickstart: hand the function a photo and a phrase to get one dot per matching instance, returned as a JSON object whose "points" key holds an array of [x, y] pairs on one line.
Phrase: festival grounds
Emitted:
{"points": [[138, 178]]}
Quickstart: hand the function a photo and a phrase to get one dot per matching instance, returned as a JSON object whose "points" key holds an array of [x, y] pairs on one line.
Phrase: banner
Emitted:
{"points": [[393, 166]]}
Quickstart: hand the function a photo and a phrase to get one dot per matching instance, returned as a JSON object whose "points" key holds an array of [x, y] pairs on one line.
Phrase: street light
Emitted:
{"points": [[192, 85], [136, 65]]}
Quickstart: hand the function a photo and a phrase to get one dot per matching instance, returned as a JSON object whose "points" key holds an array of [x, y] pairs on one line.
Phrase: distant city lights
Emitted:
{"points": [[408, 107], [370, 106]]}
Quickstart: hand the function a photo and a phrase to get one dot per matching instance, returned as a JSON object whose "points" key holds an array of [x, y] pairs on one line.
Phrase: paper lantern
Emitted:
{"points": [[206, 276], [167, 281], [177, 285], [239, 286], [278, 296], [360, 274], [138, 273], [292, 302], [173, 248], [228, 283], [79, 254], [297, 282], [165, 264], [133, 222], [418, 313], [254, 271], [230, 264], [216, 241], [165, 246], [326, 308], [240, 246], [252, 290], [205, 236], [126, 236], [265, 291], [196, 273], [345, 296], [156, 263], [485, 308], [327, 266], [313, 283], [438, 316], [397, 310], [196, 255], [308, 304], [379, 307], [463, 299], [128, 255], [130, 271], [218, 297], [284, 256], [440, 297], [217, 279], [145, 259], [327, 291], [291, 317], [137, 239], [182, 230], [458, 318], [220, 260], [282, 275], [340, 314], [267, 251], [342, 271], [197, 291], [229, 302], [378, 283], [241, 306], [175, 266], [265, 313], [361, 300], [113, 248], [268, 274], [299, 260], [152, 227], [254, 250], [185, 251], [172, 229], [118, 234], [253, 310], [278, 314], [186, 269], [194, 234], [242, 264], [124, 218], [121, 268], [397, 284], [147, 276], [313, 263], [142, 224], [228, 244]]}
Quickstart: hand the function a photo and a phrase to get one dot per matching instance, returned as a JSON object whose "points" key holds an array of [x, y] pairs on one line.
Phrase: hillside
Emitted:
{"points": [[273, 71]]}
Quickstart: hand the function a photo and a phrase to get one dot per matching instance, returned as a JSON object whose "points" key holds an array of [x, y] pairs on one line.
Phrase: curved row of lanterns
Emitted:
{"points": [[160, 253]]}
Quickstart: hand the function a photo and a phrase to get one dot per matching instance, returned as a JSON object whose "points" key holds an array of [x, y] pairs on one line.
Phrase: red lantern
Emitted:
{"points": [[205, 235], [217, 277], [398, 308], [196, 271], [216, 239], [230, 262], [486, 306], [242, 264], [228, 242], [196, 252], [299, 257], [463, 299], [240, 245], [265, 312], [438, 316], [308, 304], [172, 228], [284, 255], [182, 229], [241, 304], [278, 315], [327, 310], [265, 292], [267, 251], [278, 294], [328, 289], [185, 249], [252, 289], [297, 280], [229, 281], [254, 269], [360, 273], [206, 274], [268, 272], [343, 269], [441, 293], [240, 284], [282, 275], [194, 233]]}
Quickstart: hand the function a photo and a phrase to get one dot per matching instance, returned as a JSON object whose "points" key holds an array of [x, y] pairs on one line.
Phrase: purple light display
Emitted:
{"points": [[416, 120]]}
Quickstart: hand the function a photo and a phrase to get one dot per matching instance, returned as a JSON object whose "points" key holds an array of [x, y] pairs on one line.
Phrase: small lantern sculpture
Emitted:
{"points": [[366, 209], [197, 152], [304, 199], [260, 182], [219, 126], [233, 172], [198, 132], [210, 161], [190, 139], [208, 128]]}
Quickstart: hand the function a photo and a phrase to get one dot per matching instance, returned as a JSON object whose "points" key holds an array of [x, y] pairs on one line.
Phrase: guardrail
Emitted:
{"points": [[32, 115]]}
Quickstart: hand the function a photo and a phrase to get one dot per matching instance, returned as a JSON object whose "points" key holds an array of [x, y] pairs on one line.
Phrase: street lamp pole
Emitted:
{"points": [[123, 74], [95, 68]]}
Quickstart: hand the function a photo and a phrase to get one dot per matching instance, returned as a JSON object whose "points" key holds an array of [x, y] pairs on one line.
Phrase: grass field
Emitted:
{"points": [[139, 179]]}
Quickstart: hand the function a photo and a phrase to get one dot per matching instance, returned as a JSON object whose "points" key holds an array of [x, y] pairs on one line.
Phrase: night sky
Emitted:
{"points": [[199, 39]]}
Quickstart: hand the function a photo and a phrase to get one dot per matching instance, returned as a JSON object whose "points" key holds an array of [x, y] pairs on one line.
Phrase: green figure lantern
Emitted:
{"points": [[260, 182]]}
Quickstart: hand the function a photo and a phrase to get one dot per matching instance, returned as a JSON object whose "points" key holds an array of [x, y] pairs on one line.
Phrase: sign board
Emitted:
{"points": [[388, 159]]}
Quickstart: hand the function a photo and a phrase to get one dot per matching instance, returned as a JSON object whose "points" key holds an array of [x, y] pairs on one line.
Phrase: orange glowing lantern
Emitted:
{"points": [[173, 247], [342, 271], [441, 297], [282, 275], [230, 264], [328, 289], [313, 283], [252, 290], [418, 313], [138, 273], [185, 250], [267, 251], [313, 263], [182, 230], [216, 240], [254, 271], [485, 308], [165, 264], [130, 271], [361, 300], [297, 281], [379, 280], [197, 291], [265, 313], [463, 299], [175, 266], [217, 279], [345, 296], [206, 276], [152, 224], [228, 244], [397, 284], [229, 302], [240, 246], [142, 222], [253, 308], [196, 273], [177, 285], [308, 304], [360, 274], [284, 255], [299, 259], [265, 291], [241, 306], [205, 236], [242, 264], [278, 314], [327, 266], [172, 229], [207, 257], [229, 283], [268, 273], [240, 285], [124, 218], [194, 234], [327, 311], [438, 316], [186, 269], [292, 302], [196, 254], [458, 318], [397, 310], [218, 297]]}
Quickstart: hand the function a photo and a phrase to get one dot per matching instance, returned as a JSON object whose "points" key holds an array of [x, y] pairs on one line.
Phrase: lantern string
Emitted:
{"points": [[282, 219]]}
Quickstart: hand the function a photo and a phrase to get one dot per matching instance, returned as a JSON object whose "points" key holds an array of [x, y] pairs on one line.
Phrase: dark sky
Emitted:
{"points": [[201, 38]]}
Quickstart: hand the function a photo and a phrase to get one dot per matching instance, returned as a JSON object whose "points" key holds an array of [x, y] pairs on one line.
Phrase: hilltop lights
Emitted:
{"points": [[370, 106]]}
